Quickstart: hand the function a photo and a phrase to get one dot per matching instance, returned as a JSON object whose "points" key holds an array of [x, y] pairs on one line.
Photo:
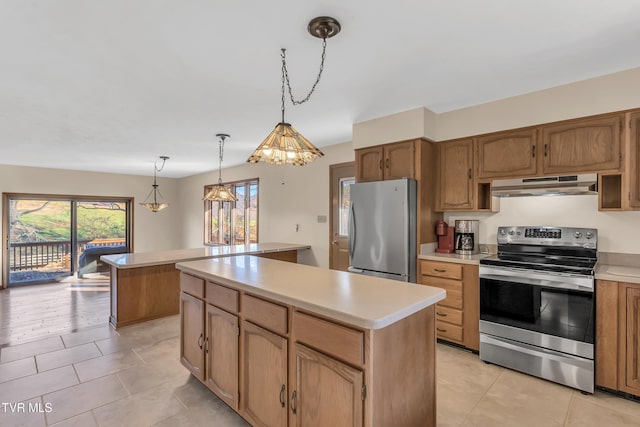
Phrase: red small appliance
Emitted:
{"points": [[445, 238]]}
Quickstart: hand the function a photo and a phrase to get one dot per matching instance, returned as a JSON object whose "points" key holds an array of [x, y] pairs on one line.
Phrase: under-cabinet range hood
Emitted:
{"points": [[546, 186]]}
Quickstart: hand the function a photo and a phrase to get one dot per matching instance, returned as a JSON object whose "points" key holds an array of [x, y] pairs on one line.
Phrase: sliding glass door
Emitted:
{"points": [[39, 243], [50, 237]]}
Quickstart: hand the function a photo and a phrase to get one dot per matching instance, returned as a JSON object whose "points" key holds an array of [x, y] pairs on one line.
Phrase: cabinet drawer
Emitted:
{"points": [[336, 340], [192, 285], [222, 297], [453, 288], [448, 270], [448, 331], [449, 315], [264, 313]]}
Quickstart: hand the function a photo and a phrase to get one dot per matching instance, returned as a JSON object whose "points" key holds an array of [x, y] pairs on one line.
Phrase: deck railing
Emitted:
{"points": [[37, 255]]}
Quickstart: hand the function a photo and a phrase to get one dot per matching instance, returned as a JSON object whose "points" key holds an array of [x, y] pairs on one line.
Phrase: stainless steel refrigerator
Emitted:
{"points": [[382, 229]]}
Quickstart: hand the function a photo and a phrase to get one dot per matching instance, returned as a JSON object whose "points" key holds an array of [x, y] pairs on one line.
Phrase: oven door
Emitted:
{"points": [[548, 310]]}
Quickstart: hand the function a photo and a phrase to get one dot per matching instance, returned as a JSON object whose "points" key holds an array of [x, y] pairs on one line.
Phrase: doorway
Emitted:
{"points": [[51, 237], [341, 176]]}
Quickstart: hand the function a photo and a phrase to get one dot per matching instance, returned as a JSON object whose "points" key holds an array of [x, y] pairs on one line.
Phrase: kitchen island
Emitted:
{"points": [[146, 285], [290, 344]]}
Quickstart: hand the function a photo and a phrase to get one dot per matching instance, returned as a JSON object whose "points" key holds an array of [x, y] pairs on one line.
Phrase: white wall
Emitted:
{"points": [[288, 195], [617, 231], [152, 231]]}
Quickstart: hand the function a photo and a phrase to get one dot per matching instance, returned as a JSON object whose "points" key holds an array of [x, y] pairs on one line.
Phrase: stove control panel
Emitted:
{"points": [[548, 236]]}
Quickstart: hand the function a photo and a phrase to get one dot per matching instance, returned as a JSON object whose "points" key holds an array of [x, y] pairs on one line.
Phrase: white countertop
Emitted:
{"points": [[457, 258], [145, 259], [618, 273], [364, 301]]}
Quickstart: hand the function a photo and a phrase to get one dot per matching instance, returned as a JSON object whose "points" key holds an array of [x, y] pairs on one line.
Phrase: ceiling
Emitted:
{"points": [[111, 85]]}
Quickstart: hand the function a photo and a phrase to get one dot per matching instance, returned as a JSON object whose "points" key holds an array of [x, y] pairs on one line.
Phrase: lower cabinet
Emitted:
{"points": [[192, 334], [458, 315], [278, 366], [618, 336], [221, 354], [327, 392], [264, 377]]}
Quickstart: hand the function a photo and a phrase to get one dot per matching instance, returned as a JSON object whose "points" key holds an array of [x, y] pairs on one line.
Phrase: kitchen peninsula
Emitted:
{"points": [[291, 344], [146, 285]]}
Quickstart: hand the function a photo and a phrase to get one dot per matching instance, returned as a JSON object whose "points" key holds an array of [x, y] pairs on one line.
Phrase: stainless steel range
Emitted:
{"points": [[537, 304]]}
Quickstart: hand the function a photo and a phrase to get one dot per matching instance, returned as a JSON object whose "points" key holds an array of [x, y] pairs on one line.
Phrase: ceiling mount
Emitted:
{"points": [[324, 27]]}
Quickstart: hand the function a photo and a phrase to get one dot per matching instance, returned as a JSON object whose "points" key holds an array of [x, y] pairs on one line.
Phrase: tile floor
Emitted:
{"points": [[100, 377]]}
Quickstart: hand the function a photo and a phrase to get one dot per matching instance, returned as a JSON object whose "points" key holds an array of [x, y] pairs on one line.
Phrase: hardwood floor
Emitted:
{"points": [[31, 312]]}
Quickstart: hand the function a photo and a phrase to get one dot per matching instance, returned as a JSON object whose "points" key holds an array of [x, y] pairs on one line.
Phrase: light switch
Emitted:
{"points": [[322, 219]]}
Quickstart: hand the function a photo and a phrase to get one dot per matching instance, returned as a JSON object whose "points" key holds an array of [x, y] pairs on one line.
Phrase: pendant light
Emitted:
{"points": [[156, 205], [219, 192], [285, 145]]}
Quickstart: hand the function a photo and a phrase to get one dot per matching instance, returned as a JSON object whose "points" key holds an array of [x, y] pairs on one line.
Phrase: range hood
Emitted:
{"points": [[546, 186]]}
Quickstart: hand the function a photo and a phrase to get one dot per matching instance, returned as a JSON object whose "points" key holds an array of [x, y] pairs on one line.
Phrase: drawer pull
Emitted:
{"points": [[441, 314], [206, 345], [441, 330], [293, 401], [439, 270]]}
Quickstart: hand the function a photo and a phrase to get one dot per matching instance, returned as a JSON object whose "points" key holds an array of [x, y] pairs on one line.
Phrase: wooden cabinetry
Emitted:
{"points": [[415, 159], [633, 165], [382, 162], [327, 391], [299, 368], [221, 354], [264, 376], [458, 315], [192, 334], [455, 178], [618, 336], [583, 145], [507, 154]]}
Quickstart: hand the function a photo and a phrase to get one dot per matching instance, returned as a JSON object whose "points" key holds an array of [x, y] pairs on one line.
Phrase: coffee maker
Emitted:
{"points": [[466, 237], [445, 237]]}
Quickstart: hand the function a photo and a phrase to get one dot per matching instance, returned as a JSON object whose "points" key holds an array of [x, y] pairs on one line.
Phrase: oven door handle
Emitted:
{"points": [[564, 281]]}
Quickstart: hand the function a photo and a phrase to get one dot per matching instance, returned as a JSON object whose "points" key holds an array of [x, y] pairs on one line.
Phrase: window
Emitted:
{"points": [[345, 204], [233, 223]]}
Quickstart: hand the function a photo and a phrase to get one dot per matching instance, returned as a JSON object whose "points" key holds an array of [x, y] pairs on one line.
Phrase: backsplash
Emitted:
{"points": [[618, 232]]}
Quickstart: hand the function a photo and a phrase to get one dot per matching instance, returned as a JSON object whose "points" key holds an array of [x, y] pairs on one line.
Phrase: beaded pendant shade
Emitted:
{"points": [[157, 204], [285, 145], [219, 192]]}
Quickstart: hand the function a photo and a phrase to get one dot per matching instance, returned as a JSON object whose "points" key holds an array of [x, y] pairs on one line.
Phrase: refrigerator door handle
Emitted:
{"points": [[352, 231]]}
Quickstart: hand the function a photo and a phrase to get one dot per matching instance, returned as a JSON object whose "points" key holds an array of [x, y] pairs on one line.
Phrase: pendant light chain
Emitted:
{"points": [[221, 149], [285, 76]]}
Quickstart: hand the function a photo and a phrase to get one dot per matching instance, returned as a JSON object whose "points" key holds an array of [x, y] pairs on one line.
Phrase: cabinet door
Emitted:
{"points": [[455, 160], [327, 392], [263, 373], [591, 145], [634, 153], [192, 334], [399, 160], [511, 154], [221, 355], [369, 164], [631, 355], [606, 356]]}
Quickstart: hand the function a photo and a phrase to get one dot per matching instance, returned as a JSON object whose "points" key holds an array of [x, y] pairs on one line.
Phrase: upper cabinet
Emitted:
{"points": [[634, 161], [455, 184], [390, 161], [507, 154], [584, 145]]}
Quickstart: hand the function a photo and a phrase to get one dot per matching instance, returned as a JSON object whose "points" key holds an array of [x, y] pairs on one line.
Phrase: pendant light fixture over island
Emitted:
{"points": [[219, 192], [285, 145], [157, 204]]}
